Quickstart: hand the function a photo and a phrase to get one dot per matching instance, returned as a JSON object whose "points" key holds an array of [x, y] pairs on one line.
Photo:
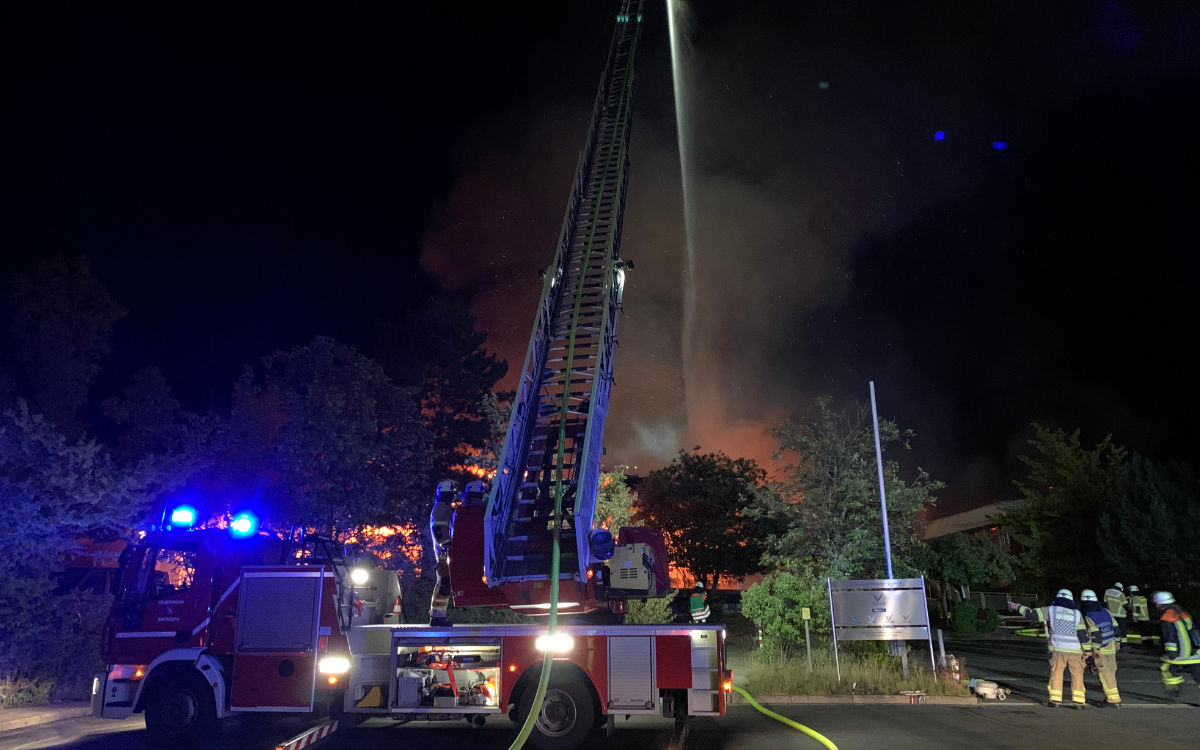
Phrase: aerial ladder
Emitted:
{"points": [[555, 436]]}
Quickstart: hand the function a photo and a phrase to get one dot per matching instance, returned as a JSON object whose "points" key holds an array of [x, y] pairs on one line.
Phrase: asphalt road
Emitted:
{"points": [[1021, 664], [1020, 723]]}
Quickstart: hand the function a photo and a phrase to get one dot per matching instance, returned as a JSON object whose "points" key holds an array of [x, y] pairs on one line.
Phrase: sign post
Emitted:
{"points": [[879, 609], [806, 613]]}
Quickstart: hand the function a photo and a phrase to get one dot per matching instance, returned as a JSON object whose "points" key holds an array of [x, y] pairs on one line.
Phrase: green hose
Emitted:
{"points": [[551, 626], [793, 724]]}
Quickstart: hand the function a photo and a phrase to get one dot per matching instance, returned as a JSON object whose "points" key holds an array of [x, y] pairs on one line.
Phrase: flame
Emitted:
{"points": [[386, 541]]}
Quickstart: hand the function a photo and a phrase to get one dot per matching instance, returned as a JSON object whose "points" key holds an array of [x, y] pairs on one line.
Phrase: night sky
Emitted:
{"points": [[244, 180]]}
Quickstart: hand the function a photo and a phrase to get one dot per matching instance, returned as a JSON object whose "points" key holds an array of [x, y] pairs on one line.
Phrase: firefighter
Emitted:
{"points": [[696, 604], [1115, 601], [1066, 635], [475, 493], [1139, 616], [440, 526], [1181, 644], [1102, 646]]}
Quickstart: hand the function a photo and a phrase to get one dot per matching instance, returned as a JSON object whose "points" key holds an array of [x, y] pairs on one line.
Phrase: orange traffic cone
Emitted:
{"points": [[398, 610]]}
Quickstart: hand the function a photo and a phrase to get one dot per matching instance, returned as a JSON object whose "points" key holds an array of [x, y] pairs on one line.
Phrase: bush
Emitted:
{"points": [[775, 605], [963, 617], [18, 692], [990, 621]]}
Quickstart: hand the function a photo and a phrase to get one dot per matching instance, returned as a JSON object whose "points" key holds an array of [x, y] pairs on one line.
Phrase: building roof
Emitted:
{"points": [[968, 520]]}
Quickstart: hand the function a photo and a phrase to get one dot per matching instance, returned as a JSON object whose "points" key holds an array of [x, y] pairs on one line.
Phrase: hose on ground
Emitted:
{"points": [[785, 720]]}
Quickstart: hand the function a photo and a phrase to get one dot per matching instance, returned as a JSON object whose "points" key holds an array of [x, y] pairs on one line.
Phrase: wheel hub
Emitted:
{"points": [[558, 714]]}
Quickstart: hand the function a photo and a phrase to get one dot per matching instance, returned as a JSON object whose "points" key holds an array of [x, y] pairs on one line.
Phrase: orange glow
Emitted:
{"points": [[332, 679], [590, 574], [512, 667], [385, 541], [727, 686], [139, 675]]}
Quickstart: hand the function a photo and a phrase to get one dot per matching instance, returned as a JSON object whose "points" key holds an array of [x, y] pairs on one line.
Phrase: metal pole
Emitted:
{"points": [[887, 541], [897, 646], [808, 646], [833, 623], [941, 650]]}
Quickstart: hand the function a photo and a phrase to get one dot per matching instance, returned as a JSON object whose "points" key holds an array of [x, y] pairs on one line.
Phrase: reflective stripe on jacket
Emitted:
{"points": [[1064, 626], [1178, 647], [1101, 631], [1115, 600], [1138, 609]]}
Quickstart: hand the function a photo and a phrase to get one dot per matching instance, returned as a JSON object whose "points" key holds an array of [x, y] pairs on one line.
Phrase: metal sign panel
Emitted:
{"points": [[886, 609]]}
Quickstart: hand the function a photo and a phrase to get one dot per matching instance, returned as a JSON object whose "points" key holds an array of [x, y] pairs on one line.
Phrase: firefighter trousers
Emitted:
{"points": [[1066, 660], [441, 588], [1106, 667], [1173, 672]]}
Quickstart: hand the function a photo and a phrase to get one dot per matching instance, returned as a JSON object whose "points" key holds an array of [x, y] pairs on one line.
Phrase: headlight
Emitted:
{"points": [[333, 665], [559, 643], [359, 576]]}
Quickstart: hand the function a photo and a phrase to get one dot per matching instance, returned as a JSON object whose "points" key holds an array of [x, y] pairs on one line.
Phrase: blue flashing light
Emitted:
{"points": [[999, 145], [939, 135], [184, 515], [243, 524], [602, 544]]}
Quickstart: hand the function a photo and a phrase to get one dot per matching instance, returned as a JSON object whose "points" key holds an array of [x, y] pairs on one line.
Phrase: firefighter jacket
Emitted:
{"points": [[1139, 611], [1102, 631], [439, 523], [1065, 630], [1115, 601], [1181, 641]]}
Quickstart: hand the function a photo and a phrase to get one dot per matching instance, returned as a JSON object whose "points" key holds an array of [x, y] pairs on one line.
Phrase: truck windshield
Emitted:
{"points": [[164, 572]]}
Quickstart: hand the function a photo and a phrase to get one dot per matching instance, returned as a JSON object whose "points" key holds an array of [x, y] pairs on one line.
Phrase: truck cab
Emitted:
{"points": [[206, 623]]}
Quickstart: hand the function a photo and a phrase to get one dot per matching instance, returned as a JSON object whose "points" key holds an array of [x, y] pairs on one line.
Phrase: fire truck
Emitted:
{"points": [[211, 623]]}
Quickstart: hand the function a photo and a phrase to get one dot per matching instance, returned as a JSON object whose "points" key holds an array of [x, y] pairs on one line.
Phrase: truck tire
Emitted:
{"points": [[567, 716], [180, 710]]}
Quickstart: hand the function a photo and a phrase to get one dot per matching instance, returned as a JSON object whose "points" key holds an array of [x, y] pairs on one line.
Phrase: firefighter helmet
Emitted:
{"points": [[1163, 598], [1118, 585], [447, 487], [700, 585], [1133, 587], [476, 487], [1065, 594], [1087, 595]]}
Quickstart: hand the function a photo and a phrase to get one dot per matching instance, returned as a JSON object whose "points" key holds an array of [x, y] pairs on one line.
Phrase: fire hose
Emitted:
{"points": [[785, 720]]}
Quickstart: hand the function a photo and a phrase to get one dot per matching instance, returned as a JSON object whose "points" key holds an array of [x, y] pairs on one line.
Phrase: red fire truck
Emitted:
{"points": [[212, 623]]}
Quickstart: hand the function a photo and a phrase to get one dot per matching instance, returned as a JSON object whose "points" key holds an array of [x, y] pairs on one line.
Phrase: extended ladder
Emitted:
{"points": [[555, 435]]}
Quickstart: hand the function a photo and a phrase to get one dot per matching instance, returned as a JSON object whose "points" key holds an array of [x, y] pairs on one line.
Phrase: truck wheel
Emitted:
{"points": [[567, 715], [180, 710]]}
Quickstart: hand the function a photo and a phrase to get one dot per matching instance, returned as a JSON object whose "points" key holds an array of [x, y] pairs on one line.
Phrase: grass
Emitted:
{"points": [[873, 674]]}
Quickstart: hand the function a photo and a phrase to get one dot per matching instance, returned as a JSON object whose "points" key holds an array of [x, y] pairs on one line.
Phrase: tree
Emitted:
{"points": [[963, 560], [328, 439], [438, 350], [614, 502], [1148, 532], [1066, 490], [827, 512], [149, 416], [62, 319], [57, 493], [701, 504]]}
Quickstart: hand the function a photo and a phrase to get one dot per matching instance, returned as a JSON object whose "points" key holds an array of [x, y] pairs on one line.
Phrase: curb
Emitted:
{"points": [[898, 700], [19, 718]]}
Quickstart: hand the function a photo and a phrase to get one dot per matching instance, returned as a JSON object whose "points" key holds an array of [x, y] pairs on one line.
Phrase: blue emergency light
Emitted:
{"points": [[243, 524], [184, 515]]}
